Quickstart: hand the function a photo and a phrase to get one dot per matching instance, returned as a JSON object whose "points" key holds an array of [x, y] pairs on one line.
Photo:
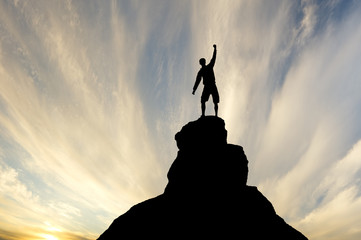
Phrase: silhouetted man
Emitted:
{"points": [[209, 82]]}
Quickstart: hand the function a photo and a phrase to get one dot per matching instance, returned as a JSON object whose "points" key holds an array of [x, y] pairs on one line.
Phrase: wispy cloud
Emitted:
{"points": [[288, 79], [71, 103], [312, 124], [93, 93]]}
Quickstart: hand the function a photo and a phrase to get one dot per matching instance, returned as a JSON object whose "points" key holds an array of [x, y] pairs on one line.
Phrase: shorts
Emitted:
{"points": [[210, 90]]}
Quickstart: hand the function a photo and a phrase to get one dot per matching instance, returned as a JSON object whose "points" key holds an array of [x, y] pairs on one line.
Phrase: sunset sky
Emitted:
{"points": [[93, 92]]}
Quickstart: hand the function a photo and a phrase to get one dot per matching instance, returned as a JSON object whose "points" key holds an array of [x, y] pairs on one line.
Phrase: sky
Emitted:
{"points": [[93, 92]]}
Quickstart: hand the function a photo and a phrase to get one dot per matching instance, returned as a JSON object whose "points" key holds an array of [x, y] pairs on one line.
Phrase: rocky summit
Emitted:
{"points": [[207, 196]]}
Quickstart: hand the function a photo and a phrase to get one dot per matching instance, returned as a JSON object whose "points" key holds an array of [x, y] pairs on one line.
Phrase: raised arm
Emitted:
{"points": [[213, 60]]}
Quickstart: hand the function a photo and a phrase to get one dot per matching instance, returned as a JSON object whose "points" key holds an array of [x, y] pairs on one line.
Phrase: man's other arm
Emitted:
{"points": [[198, 80]]}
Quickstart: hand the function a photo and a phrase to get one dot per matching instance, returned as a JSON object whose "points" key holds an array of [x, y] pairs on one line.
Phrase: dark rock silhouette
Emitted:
{"points": [[206, 196]]}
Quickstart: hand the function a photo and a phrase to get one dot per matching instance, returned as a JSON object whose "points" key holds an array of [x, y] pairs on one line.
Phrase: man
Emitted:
{"points": [[209, 82]]}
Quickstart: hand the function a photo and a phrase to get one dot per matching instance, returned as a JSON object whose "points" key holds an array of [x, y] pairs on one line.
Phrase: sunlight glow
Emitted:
{"points": [[51, 228], [48, 237]]}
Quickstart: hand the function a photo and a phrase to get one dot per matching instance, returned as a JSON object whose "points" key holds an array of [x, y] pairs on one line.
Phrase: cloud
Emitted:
{"points": [[255, 42], [311, 127], [80, 121], [309, 21], [25, 210], [91, 95], [336, 201], [342, 174], [9, 184], [288, 76], [336, 219], [34, 233]]}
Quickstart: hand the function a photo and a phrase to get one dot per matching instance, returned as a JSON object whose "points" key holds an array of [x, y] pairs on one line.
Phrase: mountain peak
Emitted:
{"points": [[204, 133], [206, 196]]}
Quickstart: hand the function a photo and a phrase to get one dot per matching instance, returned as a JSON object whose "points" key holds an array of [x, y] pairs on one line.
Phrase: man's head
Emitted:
{"points": [[202, 62]]}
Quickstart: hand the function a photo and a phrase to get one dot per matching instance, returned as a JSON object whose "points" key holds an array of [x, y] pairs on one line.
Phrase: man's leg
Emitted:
{"points": [[215, 97], [204, 99], [203, 104]]}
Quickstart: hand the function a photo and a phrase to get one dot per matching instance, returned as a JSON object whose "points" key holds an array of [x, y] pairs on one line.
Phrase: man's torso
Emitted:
{"points": [[208, 75]]}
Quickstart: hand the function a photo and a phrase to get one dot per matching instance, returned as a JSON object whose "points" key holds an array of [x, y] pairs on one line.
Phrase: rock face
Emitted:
{"points": [[206, 196]]}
